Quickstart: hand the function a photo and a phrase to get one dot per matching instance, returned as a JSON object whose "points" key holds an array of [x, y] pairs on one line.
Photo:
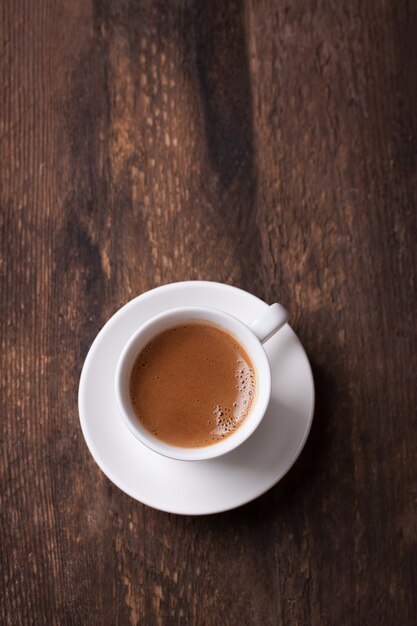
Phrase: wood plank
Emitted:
{"points": [[267, 145]]}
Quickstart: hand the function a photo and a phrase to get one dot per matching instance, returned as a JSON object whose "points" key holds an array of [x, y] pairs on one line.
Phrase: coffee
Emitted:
{"points": [[192, 385]]}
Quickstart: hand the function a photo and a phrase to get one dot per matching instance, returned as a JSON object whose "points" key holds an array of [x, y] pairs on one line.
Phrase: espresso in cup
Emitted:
{"points": [[192, 385]]}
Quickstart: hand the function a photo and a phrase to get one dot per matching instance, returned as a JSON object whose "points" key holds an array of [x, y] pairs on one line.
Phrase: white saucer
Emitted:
{"points": [[198, 487]]}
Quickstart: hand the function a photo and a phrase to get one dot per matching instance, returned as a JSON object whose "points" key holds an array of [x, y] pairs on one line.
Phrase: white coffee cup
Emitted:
{"points": [[251, 337]]}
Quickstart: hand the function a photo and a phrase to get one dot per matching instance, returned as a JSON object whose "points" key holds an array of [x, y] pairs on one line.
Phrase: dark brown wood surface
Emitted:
{"points": [[269, 145]]}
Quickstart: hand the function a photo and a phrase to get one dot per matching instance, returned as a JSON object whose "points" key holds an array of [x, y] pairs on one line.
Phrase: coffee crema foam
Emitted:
{"points": [[193, 385]]}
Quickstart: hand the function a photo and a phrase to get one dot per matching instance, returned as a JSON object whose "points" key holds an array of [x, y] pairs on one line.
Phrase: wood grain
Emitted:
{"points": [[267, 145]]}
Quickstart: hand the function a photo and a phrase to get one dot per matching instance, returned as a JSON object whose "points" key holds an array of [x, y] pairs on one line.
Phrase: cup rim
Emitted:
{"points": [[144, 334]]}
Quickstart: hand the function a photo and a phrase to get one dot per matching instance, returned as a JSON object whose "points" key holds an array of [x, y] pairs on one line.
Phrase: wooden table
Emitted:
{"points": [[269, 145]]}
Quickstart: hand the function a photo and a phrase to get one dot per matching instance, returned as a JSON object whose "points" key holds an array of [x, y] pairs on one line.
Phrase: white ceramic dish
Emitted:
{"points": [[200, 487]]}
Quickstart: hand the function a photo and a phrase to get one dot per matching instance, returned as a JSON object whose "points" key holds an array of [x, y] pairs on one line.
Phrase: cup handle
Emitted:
{"points": [[271, 321]]}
